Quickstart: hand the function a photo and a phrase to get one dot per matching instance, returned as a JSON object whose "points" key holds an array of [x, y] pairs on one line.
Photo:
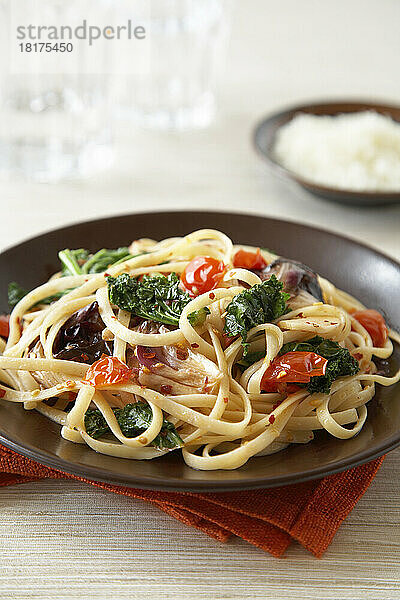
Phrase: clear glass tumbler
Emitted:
{"points": [[187, 40], [53, 124]]}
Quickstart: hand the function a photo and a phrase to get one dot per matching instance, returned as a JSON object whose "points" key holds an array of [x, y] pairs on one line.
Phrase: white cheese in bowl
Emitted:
{"points": [[354, 151]]}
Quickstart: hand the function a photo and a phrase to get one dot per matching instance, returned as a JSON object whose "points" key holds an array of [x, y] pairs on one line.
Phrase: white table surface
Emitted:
{"points": [[61, 540]]}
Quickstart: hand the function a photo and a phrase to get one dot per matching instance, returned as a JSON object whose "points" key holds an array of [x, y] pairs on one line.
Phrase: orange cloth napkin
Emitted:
{"points": [[309, 512]]}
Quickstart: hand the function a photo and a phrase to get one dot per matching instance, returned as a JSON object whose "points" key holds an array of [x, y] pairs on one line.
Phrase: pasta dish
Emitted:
{"points": [[223, 352]]}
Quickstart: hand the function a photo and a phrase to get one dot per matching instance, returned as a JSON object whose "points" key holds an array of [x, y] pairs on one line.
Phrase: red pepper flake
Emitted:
{"points": [[195, 345], [182, 353], [2, 393], [206, 387], [211, 296], [84, 356], [106, 274], [166, 389], [226, 400], [271, 419]]}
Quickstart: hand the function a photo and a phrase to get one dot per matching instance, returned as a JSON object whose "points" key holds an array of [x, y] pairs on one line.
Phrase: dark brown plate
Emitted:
{"points": [[369, 275], [264, 139]]}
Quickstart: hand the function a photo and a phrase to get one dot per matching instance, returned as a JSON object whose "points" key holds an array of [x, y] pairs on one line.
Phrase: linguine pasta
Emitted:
{"points": [[191, 376]]}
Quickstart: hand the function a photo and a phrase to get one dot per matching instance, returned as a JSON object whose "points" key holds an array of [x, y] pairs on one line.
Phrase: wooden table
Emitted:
{"points": [[61, 540]]}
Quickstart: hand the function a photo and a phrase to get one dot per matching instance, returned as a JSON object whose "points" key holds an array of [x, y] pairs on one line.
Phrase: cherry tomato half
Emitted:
{"points": [[202, 274], [4, 326], [293, 367], [374, 323], [108, 370], [249, 260]]}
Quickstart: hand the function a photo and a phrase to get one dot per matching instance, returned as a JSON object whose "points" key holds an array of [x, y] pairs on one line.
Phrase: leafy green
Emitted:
{"points": [[249, 360], [263, 303], [80, 261], [95, 424], [74, 262], [340, 361], [54, 297], [156, 297], [103, 259], [198, 317], [15, 293], [133, 420]]}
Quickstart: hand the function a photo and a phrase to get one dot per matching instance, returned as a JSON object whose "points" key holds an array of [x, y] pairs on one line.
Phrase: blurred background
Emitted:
{"points": [[174, 130]]}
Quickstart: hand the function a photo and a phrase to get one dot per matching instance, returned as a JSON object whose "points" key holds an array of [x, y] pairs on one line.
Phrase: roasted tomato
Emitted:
{"points": [[202, 274], [4, 326], [249, 260], [374, 323], [293, 367], [108, 370]]}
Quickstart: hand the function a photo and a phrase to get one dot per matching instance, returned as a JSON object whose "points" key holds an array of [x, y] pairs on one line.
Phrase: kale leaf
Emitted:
{"points": [[249, 359], [340, 361], [103, 259], [198, 317], [95, 424], [156, 297], [133, 420], [263, 303], [74, 262], [80, 261], [15, 293]]}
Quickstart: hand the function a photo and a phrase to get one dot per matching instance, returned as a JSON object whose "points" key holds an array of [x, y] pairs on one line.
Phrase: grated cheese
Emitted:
{"points": [[357, 151]]}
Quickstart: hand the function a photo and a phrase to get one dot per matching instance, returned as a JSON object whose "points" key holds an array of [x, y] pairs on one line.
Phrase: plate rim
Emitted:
{"points": [[89, 473], [158, 212]]}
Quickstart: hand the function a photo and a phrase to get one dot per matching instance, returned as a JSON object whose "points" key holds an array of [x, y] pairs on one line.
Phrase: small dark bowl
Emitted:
{"points": [[264, 139]]}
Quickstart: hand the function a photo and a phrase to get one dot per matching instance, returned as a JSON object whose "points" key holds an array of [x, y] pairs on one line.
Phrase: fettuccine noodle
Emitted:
{"points": [[219, 410]]}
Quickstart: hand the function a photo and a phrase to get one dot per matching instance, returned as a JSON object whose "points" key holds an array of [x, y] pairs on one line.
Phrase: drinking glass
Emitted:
{"points": [[177, 91], [54, 122]]}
